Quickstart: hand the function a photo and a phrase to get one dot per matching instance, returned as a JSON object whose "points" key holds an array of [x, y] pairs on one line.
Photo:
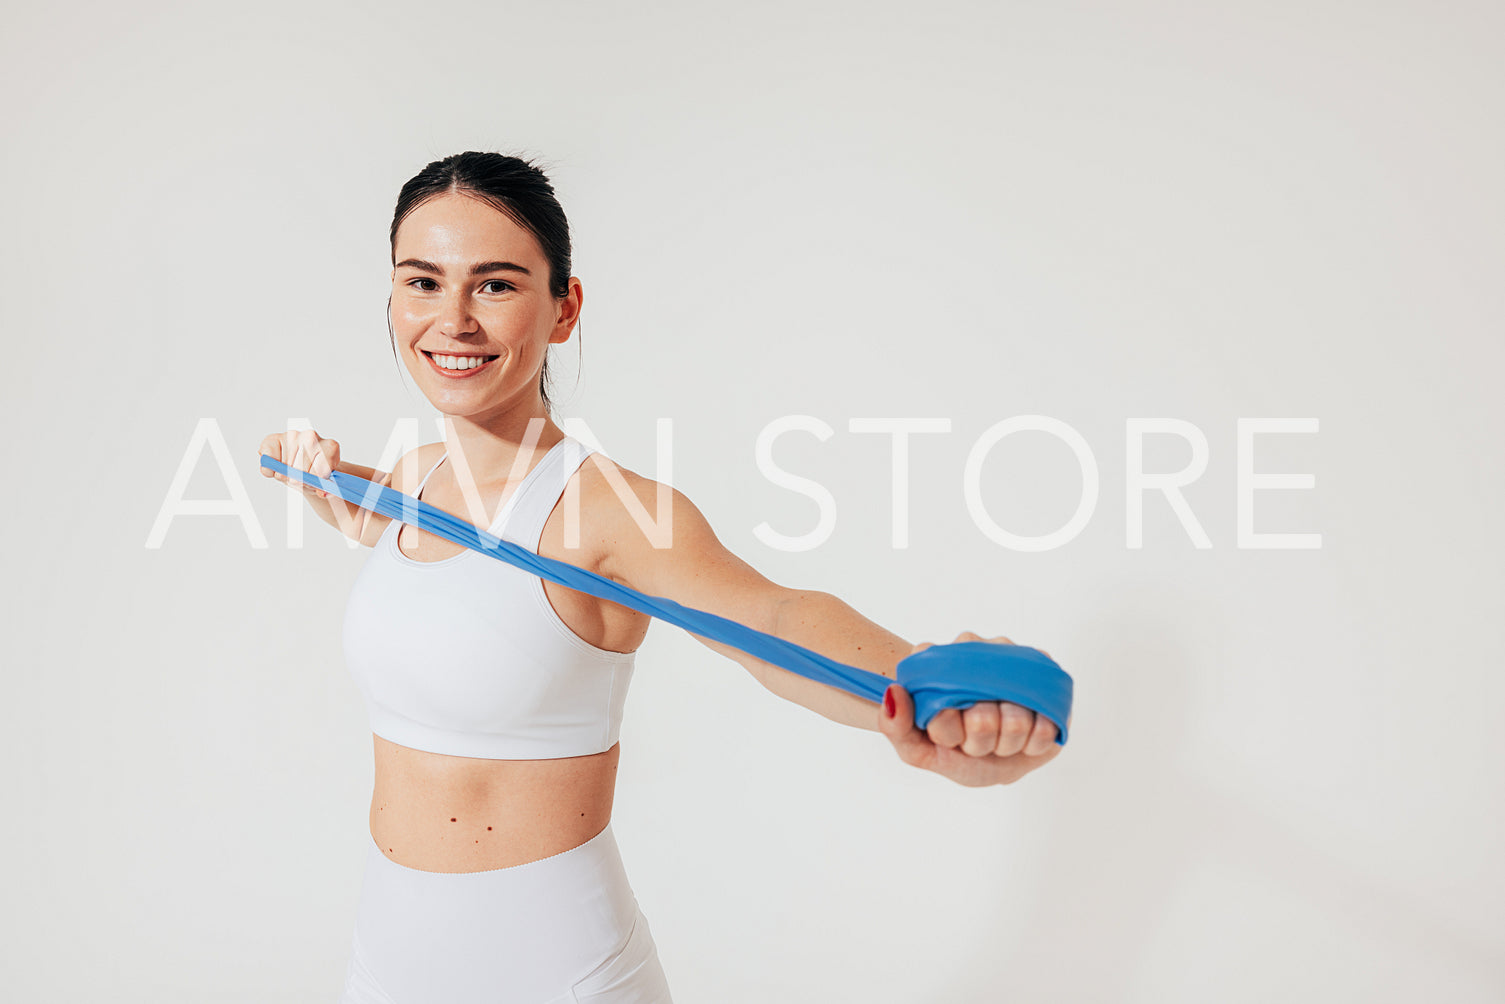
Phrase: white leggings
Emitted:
{"points": [[564, 929]]}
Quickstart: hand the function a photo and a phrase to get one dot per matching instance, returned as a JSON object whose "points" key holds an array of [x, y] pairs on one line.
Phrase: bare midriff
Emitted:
{"points": [[441, 813]]}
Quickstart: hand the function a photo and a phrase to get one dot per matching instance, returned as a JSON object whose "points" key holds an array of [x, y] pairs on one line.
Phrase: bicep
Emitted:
{"points": [[695, 569]]}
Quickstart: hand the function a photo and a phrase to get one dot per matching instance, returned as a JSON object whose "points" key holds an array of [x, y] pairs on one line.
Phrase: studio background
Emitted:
{"points": [[1283, 779]]}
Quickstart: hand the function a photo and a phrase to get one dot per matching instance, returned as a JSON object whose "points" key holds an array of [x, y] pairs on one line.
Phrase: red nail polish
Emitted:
{"points": [[888, 702]]}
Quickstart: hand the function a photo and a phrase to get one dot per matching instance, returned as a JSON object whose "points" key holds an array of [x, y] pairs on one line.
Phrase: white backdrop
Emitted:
{"points": [[1284, 777]]}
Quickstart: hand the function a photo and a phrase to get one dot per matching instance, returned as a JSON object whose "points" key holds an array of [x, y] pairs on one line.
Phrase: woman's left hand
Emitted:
{"points": [[992, 742]]}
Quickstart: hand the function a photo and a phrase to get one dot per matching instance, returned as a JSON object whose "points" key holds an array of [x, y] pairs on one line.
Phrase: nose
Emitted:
{"points": [[455, 317]]}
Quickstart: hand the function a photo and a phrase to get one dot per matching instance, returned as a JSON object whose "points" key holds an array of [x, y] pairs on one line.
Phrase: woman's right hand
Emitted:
{"points": [[303, 450]]}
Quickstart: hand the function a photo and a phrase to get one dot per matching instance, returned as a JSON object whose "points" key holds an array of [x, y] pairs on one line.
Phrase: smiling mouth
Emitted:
{"points": [[457, 366]]}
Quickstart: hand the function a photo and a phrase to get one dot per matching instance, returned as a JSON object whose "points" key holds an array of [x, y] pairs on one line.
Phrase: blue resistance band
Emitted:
{"points": [[954, 675]]}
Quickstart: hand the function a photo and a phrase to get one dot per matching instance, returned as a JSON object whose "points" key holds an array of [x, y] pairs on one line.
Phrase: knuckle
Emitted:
{"points": [[1016, 721], [984, 714], [1012, 736]]}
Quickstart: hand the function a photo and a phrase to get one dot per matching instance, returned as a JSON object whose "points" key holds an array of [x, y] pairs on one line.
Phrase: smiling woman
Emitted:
{"points": [[476, 272], [492, 872], [486, 185]]}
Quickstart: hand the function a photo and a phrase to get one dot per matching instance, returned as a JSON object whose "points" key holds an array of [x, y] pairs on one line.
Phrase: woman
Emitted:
{"points": [[496, 697]]}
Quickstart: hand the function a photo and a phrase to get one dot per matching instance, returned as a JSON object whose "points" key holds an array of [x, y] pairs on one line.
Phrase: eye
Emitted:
{"points": [[503, 283], [414, 282]]}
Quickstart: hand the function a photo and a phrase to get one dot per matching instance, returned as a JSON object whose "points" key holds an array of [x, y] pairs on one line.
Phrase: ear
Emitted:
{"points": [[568, 314]]}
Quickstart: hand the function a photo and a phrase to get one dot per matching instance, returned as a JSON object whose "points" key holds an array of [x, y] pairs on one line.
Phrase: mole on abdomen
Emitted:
{"points": [[451, 819], [488, 827]]}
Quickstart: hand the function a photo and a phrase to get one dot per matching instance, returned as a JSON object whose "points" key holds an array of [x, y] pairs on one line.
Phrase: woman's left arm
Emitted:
{"points": [[990, 742]]}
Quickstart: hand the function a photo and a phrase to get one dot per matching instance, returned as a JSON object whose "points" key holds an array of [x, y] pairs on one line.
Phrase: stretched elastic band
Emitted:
{"points": [[954, 675]]}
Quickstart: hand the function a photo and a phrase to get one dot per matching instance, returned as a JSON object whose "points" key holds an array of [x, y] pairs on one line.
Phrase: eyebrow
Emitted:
{"points": [[479, 269]]}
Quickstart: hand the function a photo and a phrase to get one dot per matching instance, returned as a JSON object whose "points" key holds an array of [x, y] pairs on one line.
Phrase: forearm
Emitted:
{"points": [[824, 623], [369, 473]]}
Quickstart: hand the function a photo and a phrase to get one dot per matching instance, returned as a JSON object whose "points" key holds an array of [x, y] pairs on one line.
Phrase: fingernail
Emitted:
{"points": [[888, 702]]}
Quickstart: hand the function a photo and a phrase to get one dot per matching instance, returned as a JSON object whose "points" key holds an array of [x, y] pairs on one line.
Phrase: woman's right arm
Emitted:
{"points": [[303, 450]]}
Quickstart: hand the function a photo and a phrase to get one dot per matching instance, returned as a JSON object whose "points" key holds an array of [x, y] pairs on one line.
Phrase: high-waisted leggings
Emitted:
{"points": [[564, 929]]}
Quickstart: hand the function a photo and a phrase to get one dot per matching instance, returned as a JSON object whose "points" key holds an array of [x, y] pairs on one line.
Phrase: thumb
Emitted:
{"points": [[913, 746]]}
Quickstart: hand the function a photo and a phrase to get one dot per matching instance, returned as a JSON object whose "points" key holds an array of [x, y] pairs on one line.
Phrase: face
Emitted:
{"points": [[471, 308]]}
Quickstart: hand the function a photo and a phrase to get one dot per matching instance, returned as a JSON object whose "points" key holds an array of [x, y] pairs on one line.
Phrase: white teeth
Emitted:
{"points": [[458, 362]]}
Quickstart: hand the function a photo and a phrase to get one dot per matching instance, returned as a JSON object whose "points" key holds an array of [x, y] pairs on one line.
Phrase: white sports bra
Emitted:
{"points": [[466, 656]]}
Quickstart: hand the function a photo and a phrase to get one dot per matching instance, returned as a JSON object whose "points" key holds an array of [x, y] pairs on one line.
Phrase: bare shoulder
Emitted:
{"points": [[622, 509], [404, 477], [412, 466], [649, 535]]}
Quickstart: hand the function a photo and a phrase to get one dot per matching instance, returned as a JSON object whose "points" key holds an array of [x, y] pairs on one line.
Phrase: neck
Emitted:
{"points": [[499, 449]]}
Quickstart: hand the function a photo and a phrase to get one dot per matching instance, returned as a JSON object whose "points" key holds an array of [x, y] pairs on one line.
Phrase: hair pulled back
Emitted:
{"points": [[511, 185]]}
